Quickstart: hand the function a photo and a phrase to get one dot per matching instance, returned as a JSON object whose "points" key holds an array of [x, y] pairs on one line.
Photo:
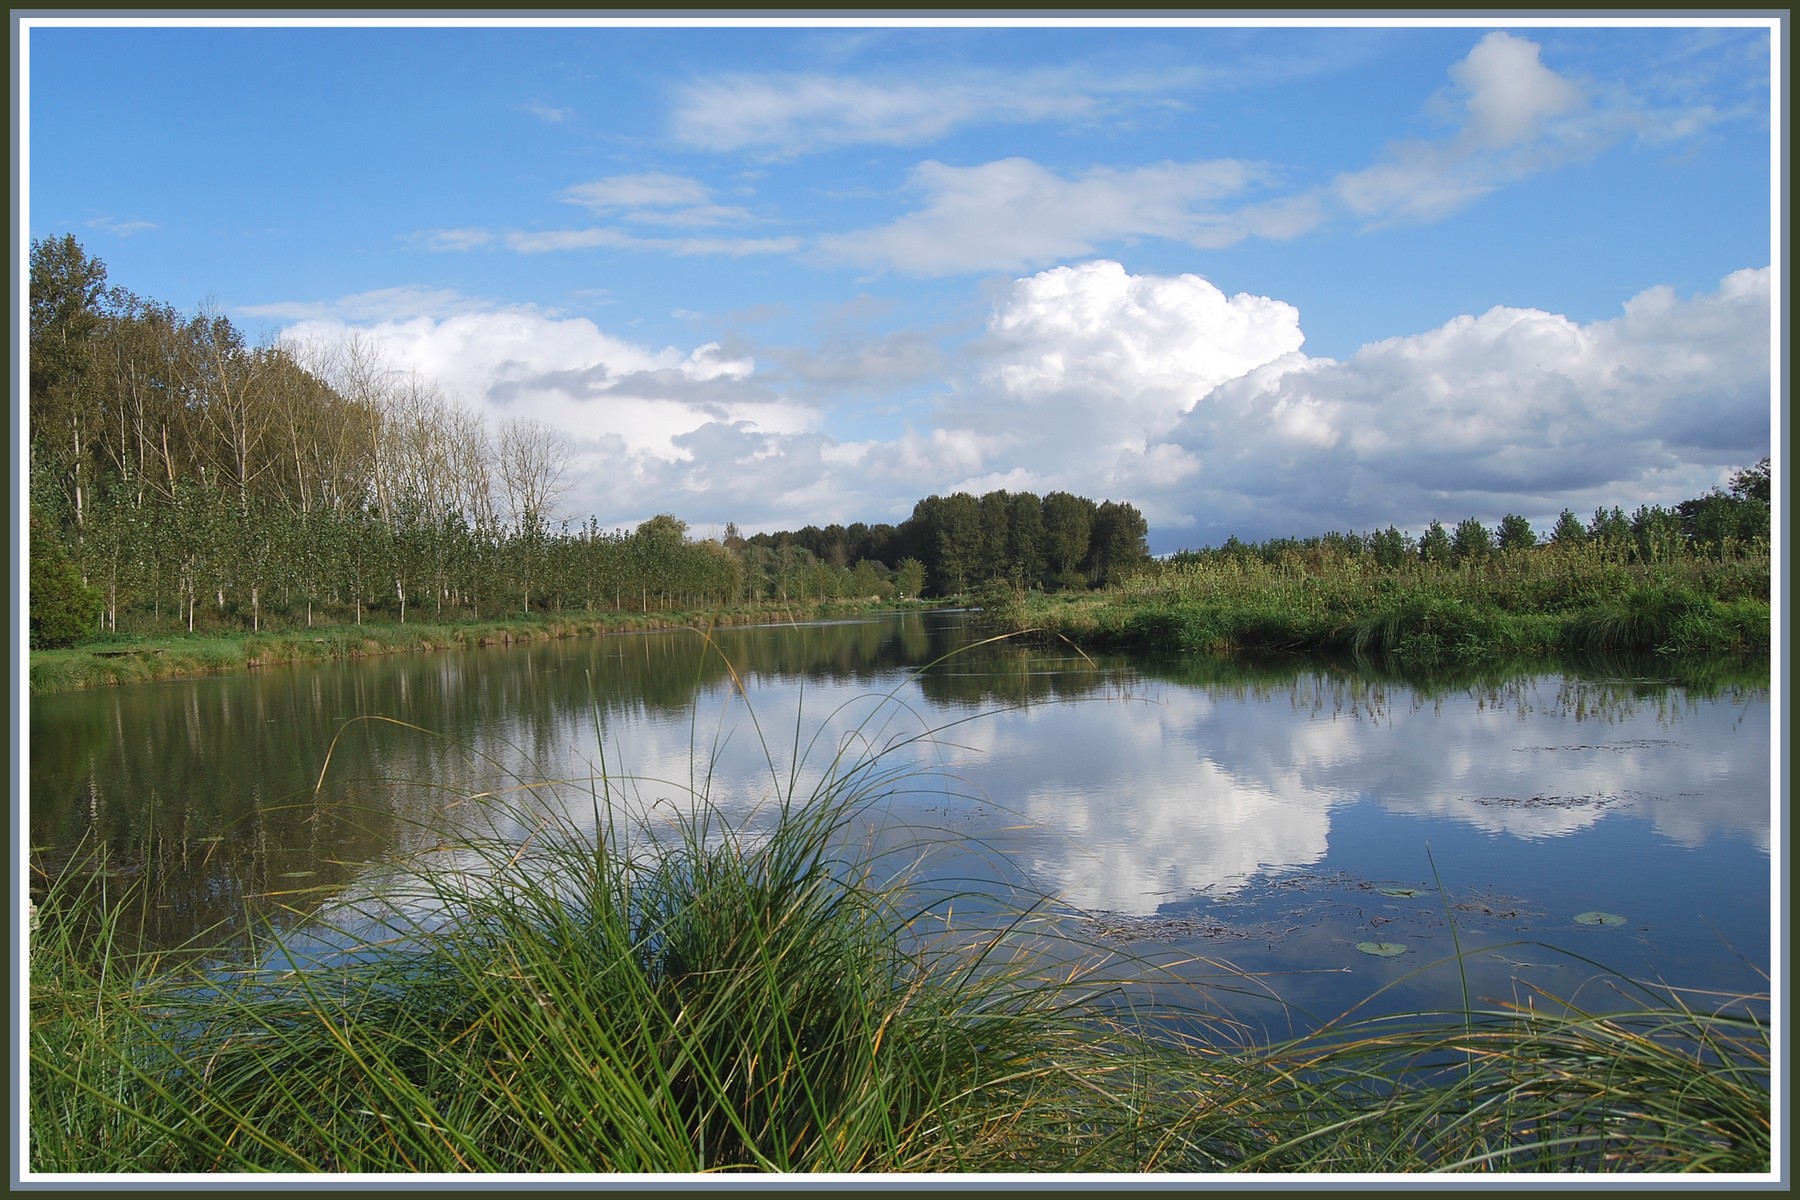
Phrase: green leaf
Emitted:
{"points": [[1599, 918], [1381, 949]]}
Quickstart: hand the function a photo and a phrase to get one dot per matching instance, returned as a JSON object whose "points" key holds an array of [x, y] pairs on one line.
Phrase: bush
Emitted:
{"points": [[64, 609]]}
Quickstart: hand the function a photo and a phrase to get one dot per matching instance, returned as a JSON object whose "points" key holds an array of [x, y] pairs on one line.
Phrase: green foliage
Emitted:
{"points": [[1068, 522], [1472, 542], [1753, 483], [64, 609], [1554, 599], [909, 578], [1117, 542], [1389, 547], [1569, 530], [1435, 546], [1610, 529], [1516, 534]]}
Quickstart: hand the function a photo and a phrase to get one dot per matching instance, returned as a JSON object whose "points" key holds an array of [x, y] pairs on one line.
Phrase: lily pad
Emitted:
{"points": [[1599, 918], [1381, 949], [1401, 891]]}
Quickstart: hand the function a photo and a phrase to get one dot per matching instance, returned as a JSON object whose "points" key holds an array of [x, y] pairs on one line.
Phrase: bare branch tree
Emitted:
{"points": [[532, 461]]}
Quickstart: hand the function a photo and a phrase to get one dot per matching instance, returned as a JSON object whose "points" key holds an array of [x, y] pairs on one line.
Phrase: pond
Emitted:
{"points": [[1304, 832]]}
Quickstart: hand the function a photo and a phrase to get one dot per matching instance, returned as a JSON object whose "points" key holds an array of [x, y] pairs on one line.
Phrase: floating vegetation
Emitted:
{"points": [[1381, 949], [1599, 918], [1131, 927], [1599, 800], [1405, 893], [1616, 747]]}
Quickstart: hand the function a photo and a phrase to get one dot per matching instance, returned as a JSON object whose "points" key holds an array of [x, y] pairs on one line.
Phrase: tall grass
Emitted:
{"points": [[672, 990], [1552, 600]]}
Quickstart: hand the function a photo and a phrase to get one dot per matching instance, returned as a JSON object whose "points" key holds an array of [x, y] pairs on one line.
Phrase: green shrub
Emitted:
{"points": [[64, 609]]}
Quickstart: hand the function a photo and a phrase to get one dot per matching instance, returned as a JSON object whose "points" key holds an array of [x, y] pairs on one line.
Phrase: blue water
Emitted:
{"points": [[1246, 821]]}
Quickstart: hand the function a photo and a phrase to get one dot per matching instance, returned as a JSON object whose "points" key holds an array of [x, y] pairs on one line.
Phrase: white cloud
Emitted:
{"points": [[863, 365], [549, 114], [1198, 407], [1015, 215], [1092, 325], [381, 304], [1511, 94], [1517, 118], [656, 198], [1513, 410], [1080, 371], [782, 115], [455, 239], [1513, 117], [637, 417], [121, 228], [635, 191], [555, 240]]}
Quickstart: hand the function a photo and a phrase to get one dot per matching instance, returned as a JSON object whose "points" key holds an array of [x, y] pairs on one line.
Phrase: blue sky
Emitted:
{"points": [[1258, 281]]}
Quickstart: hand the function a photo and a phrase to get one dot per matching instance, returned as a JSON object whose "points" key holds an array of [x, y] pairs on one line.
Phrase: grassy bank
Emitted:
{"points": [[1544, 603], [746, 1005], [107, 662], [674, 994]]}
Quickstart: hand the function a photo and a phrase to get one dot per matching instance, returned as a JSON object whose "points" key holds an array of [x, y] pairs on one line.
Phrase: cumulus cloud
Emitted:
{"points": [[871, 364], [1203, 410], [1513, 410], [1015, 215], [648, 426], [1085, 367], [1199, 407]]}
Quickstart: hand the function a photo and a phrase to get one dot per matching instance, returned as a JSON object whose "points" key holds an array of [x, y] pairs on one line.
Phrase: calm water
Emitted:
{"points": [[1264, 820]]}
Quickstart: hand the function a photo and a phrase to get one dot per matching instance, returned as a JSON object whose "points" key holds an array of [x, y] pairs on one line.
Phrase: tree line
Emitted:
{"points": [[1725, 523], [951, 544], [183, 475]]}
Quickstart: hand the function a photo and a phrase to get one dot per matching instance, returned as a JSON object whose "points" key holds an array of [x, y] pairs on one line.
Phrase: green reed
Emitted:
{"points": [[1548, 601]]}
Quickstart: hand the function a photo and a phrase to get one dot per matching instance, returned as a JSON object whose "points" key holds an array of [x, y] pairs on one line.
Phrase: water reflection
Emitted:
{"points": [[1138, 790]]}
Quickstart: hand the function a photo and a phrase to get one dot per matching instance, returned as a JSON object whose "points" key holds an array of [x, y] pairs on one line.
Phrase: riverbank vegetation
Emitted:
{"points": [[1614, 586], [110, 660], [689, 996]]}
